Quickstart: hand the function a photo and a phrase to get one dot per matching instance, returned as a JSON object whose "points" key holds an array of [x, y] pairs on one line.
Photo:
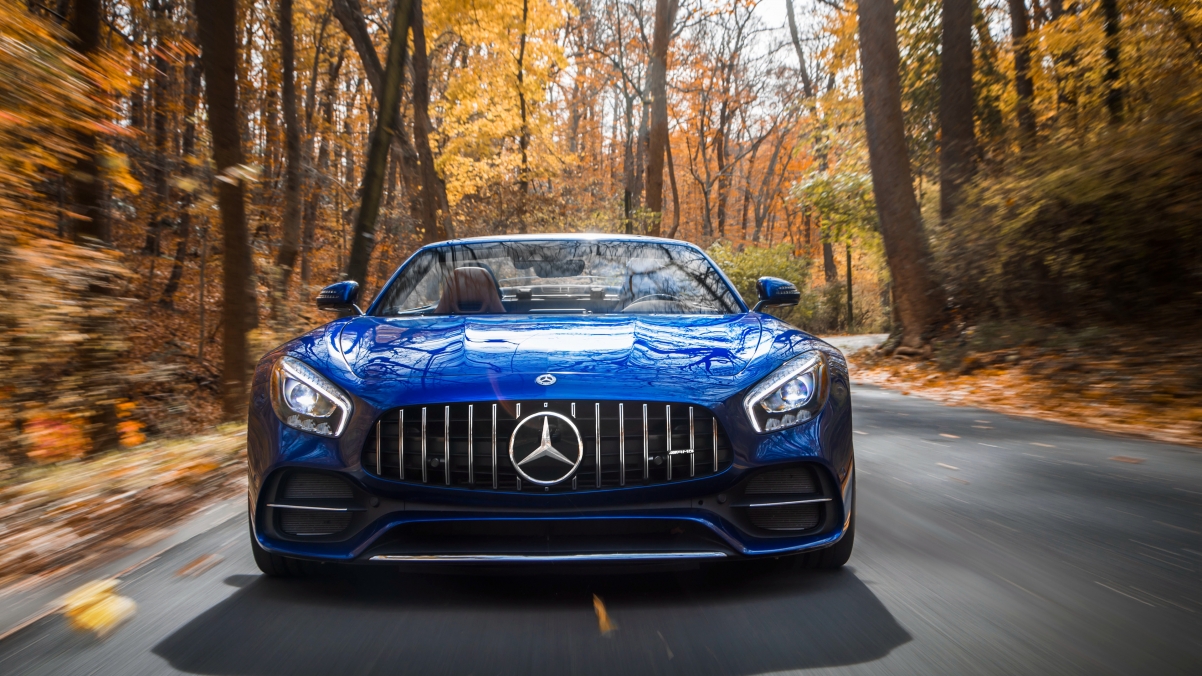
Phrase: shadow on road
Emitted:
{"points": [[728, 620]]}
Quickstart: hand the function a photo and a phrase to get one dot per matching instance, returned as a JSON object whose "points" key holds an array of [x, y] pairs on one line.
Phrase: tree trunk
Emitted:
{"points": [[87, 188], [851, 316], [830, 272], [957, 140], [721, 155], [917, 293], [524, 130], [675, 192], [350, 16], [657, 90], [807, 84], [188, 149], [1023, 87], [376, 164], [1114, 91], [290, 230], [435, 212], [217, 20], [323, 165], [628, 166]]}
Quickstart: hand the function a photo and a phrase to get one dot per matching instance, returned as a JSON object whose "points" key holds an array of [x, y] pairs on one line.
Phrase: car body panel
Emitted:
{"points": [[709, 361]]}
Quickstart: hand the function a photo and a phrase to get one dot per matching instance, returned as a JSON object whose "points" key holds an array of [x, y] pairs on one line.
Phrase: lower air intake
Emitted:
{"points": [[785, 517], [790, 480], [316, 487], [307, 522]]}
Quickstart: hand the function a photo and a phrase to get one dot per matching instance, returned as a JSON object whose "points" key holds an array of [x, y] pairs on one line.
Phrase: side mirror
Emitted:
{"points": [[339, 297], [775, 292]]}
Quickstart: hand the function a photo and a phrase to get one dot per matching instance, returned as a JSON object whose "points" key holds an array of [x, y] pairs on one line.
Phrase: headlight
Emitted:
{"points": [[791, 395], [306, 400]]}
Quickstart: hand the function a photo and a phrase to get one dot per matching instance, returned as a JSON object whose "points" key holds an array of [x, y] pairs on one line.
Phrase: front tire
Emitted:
{"points": [[273, 565], [835, 556]]}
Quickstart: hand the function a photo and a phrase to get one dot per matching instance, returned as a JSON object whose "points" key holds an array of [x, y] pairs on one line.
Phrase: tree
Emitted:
{"points": [[434, 191], [1023, 86], [1114, 91], [217, 24], [87, 190], [657, 139], [957, 140], [916, 292], [389, 94], [290, 229]]}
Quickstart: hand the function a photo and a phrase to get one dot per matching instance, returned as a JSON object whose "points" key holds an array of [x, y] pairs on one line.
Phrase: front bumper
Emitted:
{"points": [[713, 522]]}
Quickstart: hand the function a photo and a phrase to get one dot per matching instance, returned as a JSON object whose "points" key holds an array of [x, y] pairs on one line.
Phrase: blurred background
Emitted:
{"points": [[1010, 189]]}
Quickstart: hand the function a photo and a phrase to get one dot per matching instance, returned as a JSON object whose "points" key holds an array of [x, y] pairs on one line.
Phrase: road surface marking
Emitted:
{"points": [[1188, 530], [666, 646], [1124, 594]]}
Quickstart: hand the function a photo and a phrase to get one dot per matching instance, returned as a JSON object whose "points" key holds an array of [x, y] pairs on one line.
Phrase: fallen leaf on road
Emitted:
{"points": [[982, 427], [199, 565], [604, 623], [859, 432], [957, 480], [949, 436], [1127, 459], [947, 466], [97, 607], [1036, 443]]}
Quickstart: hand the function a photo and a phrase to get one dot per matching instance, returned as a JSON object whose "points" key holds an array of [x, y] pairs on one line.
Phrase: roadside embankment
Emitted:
{"points": [[70, 515], [1144, 390]]}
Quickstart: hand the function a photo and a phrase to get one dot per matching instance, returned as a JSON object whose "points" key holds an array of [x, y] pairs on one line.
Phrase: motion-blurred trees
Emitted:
{"points": [[1070, 200]]}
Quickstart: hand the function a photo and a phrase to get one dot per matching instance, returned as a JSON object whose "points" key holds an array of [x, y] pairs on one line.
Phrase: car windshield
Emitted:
{"points": [[559, 277]]}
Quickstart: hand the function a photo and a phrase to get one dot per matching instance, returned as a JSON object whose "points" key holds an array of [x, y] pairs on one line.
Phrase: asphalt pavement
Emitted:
{"points": [[985, 544]]}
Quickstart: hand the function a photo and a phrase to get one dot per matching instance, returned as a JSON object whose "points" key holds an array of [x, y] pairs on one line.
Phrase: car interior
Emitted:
{"points": [[475, 290]]}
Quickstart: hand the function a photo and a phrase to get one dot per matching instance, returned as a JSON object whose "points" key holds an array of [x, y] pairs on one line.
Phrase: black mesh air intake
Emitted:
{"points": [[305, 522], [785, 517], [316, 486], [790, 480]]}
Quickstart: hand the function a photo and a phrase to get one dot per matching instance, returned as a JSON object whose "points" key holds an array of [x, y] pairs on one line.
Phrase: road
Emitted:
{"points": [[986, 544]]}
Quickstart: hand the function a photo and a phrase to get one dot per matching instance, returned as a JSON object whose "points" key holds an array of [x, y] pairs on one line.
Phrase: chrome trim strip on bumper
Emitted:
{"points": [[550, 558], [310, 509], [789, 502]]}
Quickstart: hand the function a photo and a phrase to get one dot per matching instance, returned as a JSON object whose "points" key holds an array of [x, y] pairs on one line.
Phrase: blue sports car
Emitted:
{"points": [[574, 398]]}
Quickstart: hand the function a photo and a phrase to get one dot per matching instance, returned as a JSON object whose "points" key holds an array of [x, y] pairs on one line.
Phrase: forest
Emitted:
{"points": [[178, 178]]}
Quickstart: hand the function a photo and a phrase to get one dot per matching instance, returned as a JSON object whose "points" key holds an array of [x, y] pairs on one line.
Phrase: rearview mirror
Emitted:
{"points": [[775, 292], [339, 297]]}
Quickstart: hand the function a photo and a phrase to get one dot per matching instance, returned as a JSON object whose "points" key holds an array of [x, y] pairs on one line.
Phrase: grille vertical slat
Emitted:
{"points": [[621, 444], [483, 462]]}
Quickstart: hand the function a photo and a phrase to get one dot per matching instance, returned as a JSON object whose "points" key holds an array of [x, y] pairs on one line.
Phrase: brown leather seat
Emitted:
{"points": [[470, 291]]}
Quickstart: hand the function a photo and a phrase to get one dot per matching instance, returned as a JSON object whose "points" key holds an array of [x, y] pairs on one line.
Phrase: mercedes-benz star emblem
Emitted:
{"points": [[545, 379], [544, 465]]}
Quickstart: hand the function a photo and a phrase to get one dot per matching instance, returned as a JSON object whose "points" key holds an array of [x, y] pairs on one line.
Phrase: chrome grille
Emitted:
{"points": [[625, 443]]}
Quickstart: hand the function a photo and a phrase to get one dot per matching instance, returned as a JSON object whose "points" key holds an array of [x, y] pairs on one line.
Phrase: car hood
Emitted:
{"points": [[390, 360], [474, 347]]}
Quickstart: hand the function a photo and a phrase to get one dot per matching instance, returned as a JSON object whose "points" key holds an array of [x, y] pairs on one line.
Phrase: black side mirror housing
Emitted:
{"points": [[339, 297], [775, 292]]}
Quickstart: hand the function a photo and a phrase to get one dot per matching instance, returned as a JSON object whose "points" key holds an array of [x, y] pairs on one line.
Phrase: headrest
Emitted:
{"points": [[470, 291]]}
